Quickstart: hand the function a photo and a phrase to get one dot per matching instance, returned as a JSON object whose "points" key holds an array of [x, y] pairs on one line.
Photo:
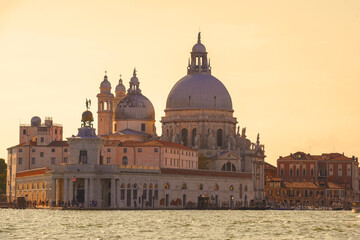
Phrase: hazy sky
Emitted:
{"points": [[292, 67]]}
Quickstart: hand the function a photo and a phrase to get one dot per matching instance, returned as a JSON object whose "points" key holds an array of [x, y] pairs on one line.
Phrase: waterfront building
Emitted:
{"points": [[322, 180], [198, 161]]}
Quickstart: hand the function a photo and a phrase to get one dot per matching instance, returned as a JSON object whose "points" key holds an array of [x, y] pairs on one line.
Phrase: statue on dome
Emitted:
{"points": [[197, 141], [88, 104], [243, 133]]}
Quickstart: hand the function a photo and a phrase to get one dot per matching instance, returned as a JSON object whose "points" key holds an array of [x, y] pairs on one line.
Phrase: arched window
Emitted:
{"points": [[291, 172], [193, 135], [184, 136], [231, 188], [216, 187], [150, 185], [297, 172], [219, 137], [183, 186], [167, 133], [228, 167], [200, 187], [281, 172], [304, 172], [144, 186], [129, 185], [156, 186], [125, 160], [122, 185], [166, 186], [306, 193], [135, 185]]}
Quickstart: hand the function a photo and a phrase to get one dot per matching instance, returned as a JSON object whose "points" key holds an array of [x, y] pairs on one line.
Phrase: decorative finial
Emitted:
{"points": [[199, 37], [105, 72], [258, 139], [120, 80], [134, 74]]}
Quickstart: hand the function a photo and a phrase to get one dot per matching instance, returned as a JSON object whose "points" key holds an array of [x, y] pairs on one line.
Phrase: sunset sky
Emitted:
{"points": [[292, 68]]}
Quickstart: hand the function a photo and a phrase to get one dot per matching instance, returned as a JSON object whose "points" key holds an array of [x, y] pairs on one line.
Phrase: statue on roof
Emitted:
{"points": [[88, 104]]}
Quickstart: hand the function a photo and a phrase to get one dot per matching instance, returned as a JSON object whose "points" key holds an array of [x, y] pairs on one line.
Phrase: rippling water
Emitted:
{"points": [[55, 224]]}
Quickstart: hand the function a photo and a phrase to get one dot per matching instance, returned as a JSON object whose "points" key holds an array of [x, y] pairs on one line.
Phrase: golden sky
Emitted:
{"points": [[292, 67]]}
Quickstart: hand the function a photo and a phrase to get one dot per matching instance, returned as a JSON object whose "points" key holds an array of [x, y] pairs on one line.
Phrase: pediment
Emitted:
{"points": [[227, 156]]}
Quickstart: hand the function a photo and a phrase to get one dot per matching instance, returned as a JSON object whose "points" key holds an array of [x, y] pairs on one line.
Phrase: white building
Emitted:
{"points": [[199, 158]]}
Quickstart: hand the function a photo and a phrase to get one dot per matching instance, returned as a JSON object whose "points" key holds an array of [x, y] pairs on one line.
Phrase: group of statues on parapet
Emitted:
{"points": [[236, 142]]}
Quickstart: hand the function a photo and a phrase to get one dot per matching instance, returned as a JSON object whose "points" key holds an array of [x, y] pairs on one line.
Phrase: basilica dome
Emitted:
{"points": [[134, 106], [198, 91]]}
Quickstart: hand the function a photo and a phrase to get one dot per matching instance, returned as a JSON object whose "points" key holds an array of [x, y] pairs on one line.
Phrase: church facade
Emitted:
{"points": [[199, 160]]}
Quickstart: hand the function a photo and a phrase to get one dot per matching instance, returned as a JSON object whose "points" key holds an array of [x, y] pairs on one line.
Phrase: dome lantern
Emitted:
{"points": [[105, 86], [199, 62]]}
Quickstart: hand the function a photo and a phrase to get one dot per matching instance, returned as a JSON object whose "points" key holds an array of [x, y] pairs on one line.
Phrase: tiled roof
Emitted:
{"points": [[34, 172], [324, 156], [58, 144], [112, 143], [300, 185], [269, 166], [130, 132], [335, 186]]}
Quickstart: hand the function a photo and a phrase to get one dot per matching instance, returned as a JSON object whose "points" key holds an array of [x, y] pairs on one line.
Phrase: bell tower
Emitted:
{"points": [[105, 108]]}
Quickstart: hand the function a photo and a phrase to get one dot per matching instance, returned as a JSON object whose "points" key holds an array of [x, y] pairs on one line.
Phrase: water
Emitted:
{"points": [[55, 224]]}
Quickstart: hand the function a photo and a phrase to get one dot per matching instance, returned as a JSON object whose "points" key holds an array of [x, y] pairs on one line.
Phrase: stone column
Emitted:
{"points": [[53, 191], [91, 191], [86, 192], [98, 192], [117, 187], [57, 183], [71, 190], [65, 189], [112, 193]]}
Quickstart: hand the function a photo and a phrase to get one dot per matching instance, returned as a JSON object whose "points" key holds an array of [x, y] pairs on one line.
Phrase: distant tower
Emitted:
{"points": [[105, 108], [120, 93]]}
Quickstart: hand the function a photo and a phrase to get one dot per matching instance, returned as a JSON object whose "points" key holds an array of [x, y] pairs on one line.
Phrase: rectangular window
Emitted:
{"points": [[41, 154], [139, 149], [143, 127], [20, 160], [331, 169], [165, 161], [42, 139], [122, 194], [144, 193], [349, 170], [109, 150], [24, 132], [156, 194], [33, 150], [124, 150], [53, 150], [20, 149], [83, 157], [339, 170], [108, 160], [33, 161], [52, 160], [55, 131], [65, 149], [156, 150], [65, 159]]}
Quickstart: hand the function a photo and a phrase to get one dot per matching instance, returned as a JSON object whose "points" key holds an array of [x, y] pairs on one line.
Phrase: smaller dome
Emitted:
{"points": [[120, 87], [134, 79], [105, 83], [35, 121], [199, 47], [87, 116]]}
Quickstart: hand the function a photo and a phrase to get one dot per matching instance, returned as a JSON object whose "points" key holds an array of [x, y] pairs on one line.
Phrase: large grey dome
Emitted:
{"points": [[199, 91], [135, 106]]}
